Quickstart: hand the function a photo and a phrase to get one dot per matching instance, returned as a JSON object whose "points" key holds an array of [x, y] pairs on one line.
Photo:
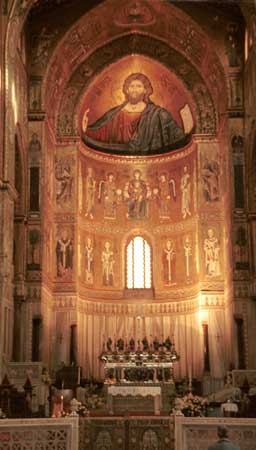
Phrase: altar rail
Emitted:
{"points": [[123, 433], [43, 434], [199, 432]]}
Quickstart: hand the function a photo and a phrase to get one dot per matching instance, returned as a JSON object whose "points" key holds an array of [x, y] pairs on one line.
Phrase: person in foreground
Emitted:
{"points": [[224, 442]]}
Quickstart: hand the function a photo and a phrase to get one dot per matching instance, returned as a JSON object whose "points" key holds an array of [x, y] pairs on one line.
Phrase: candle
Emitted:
{"points": [[190, 373], [190, 377], [61, 402]]}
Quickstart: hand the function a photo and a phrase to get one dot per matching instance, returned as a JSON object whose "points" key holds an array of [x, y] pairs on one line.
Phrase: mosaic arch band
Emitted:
{"points": [[136, 126]]}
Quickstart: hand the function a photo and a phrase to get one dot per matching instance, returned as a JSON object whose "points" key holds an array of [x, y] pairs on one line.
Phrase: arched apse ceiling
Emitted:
{"points": [[114, 30]]}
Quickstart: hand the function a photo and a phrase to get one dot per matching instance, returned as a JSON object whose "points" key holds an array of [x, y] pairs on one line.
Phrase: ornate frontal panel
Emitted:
{"points": [[126, 433]]}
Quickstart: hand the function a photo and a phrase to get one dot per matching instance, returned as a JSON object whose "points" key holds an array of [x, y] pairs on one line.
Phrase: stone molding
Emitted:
{"points": [[136, 160], [6, 186], [180, 227], [189, 306], [212, 301]]}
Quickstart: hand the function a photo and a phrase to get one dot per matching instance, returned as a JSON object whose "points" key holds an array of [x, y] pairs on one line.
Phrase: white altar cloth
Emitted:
{"points": [[134, 390]]}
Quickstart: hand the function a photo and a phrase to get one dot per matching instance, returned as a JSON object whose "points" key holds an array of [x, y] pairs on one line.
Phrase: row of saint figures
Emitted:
{"points": [[136, 195], [172, 256], [107, 194]]}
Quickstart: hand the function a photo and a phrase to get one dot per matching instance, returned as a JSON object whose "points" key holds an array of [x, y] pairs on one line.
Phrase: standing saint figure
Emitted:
{"points": [[90, 187], [188, 252], [185, 187], [89, 259], [108, 190], [169, 262], [137, 125], [64, 182], [210, 177], [136, 194], [107, 259], [34, 149], [212, 249], [64, 254], [164, 192]]}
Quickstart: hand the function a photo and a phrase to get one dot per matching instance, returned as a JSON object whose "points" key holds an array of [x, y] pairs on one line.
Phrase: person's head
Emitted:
{"points": [[64, 234], [169, 244], [163, 177], [137, 174], [137, 87], [107, 245], [210, 233], [222, 431], [110, 177], [34, 137]]}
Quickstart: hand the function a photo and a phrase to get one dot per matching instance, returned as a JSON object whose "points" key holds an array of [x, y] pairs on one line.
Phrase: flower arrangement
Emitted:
{"points": [[193, 405], [82, 411], [94, 401], [94, 398]]}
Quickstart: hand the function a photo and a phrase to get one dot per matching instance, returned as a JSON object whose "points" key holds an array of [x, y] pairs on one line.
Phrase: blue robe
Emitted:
{"points": [[223, 444], [157, 133]]}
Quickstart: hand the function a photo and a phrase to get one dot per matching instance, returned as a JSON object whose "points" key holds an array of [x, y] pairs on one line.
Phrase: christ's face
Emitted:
{"points": [[136, 91]]}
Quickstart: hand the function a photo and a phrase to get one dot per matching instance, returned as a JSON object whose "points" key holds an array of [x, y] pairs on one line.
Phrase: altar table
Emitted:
{"points": [[134, 391]]}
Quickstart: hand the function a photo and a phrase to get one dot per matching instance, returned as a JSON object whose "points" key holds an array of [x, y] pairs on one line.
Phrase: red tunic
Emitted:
{"points": [[121, 129]]}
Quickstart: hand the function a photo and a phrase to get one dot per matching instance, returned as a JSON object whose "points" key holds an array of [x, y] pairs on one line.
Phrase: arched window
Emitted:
{"points": [[138, 264]]}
